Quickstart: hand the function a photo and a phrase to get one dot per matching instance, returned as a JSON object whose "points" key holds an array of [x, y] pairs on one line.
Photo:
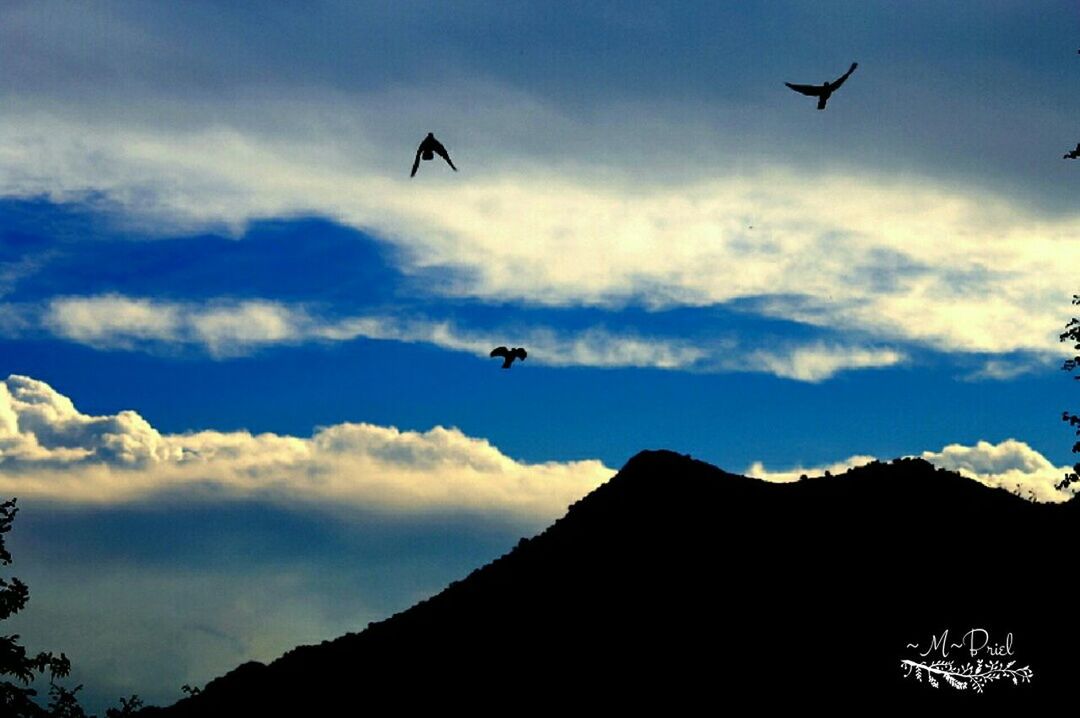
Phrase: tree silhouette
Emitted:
{"points": [[128, 707], [63, 703], [17, 700], [1072, 334]]}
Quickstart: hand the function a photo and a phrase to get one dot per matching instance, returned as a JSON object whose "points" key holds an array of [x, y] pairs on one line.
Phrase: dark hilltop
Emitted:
{"points": [[677, 586]]}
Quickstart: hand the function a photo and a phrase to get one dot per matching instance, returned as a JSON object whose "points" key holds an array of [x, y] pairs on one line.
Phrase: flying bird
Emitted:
{"points": [[1072, 154], [509, 355], [427, 150], [823, 92]]}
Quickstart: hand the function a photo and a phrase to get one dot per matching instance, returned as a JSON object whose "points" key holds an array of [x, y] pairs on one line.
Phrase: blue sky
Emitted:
{"points": [[243, 344]]}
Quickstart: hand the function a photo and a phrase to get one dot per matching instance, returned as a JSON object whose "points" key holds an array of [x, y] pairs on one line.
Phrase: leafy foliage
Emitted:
{"points": [[17, 700], [16, 696], [1072, 334], [63, 703], [128, 707]]}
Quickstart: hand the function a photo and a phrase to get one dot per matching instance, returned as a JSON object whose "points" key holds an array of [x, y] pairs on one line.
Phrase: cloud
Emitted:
{"points": [[12, 272], [146, 599], [592, 347], [758, 470], [1011, 465], [1006, 369], [222, 328], [816, 362], [111, 321], [233, 328], [895, 260], [50, 450], [176, 128]]}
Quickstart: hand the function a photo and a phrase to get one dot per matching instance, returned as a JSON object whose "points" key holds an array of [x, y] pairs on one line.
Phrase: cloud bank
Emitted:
{"points": [[50, 450], [1010, 464]]}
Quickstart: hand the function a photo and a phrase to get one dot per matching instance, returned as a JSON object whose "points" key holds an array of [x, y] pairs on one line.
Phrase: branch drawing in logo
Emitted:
{"points": [[974, 674], [969, 675]]}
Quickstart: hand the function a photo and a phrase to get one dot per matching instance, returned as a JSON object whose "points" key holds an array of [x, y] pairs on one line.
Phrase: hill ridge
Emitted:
{"points": [[671, 541]]}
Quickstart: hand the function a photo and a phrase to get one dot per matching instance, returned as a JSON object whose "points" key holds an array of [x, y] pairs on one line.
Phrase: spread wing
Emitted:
{"points": [[500, 352], [416, 162], [441, 151], [520, 352], [811, 90], [845, 76]]}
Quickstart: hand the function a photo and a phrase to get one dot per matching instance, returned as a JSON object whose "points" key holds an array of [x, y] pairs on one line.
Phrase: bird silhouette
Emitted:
{"points": [[823, 92], [1072, 154], [509, 355], [429, 147]]}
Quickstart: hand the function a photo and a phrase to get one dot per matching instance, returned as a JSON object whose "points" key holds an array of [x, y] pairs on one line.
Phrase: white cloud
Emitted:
{"points": [[50, 450], [817, 362], [113, 320], [592, 347], [1005, 369], [956, 268], [223, 328], [1011, 465], [177, 128], [227, 329], [758, 470], [233, 328]]}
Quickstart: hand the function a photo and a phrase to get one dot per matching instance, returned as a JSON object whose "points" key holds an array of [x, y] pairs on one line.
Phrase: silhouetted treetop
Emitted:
{"points": [[16, 700], [1072, 335]]}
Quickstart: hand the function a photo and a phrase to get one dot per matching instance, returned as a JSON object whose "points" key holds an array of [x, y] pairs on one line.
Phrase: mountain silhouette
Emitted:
{"points": [[676, 586]]}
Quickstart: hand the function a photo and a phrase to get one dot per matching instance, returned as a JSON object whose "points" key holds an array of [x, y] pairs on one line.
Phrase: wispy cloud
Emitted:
{"points": [[221, 328], [226, 329], [1009, 368], [232, 328], [592, 347], [819, 361]]}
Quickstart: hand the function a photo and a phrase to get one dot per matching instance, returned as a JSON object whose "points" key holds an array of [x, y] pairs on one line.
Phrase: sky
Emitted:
{"points": [[248, 402]]}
